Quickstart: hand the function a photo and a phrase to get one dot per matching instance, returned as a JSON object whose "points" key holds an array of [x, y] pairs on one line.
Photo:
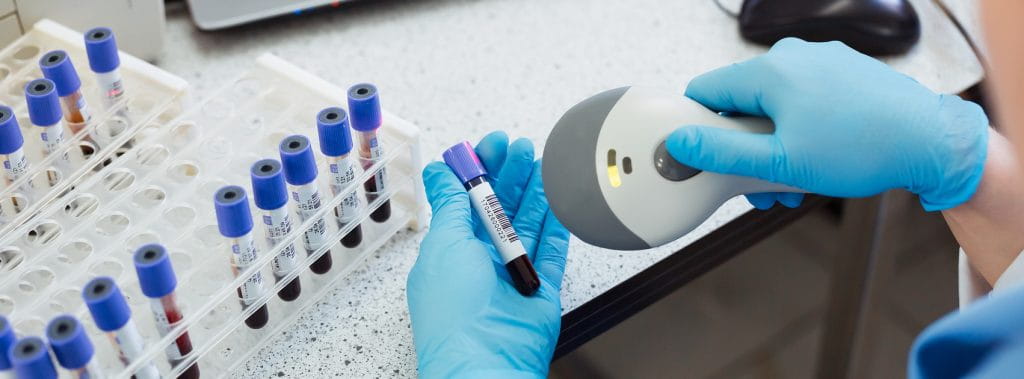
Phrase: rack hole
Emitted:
{"points": [[112, 224], [182, 262], [10, 258], [149, 197], [141, 239], [15, 203], [43, 233], [82, 205], [26, 52], [75, 251], [152, 155], [110, 129], [180, 216], [182, 172], [183, 134], [32, 326], [6, 305], [36, 280], [107, 268], [209, 235], [118, 180]]}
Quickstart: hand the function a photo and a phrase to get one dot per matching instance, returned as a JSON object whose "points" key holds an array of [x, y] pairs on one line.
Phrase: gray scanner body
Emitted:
{"points": [[655, 200]]}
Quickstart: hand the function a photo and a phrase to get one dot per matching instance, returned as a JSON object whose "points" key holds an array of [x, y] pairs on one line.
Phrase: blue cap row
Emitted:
{"points": [[106, 304], [30, 358], [10, 134], [56, 66], [232, 207], [43, 102], [101, 48], [69, 342], [268, 187], [332, 128], [153, 266]]}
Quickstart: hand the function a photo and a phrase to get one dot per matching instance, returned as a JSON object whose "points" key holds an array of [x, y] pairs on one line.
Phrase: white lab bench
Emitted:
{"points": [[459, 69]]}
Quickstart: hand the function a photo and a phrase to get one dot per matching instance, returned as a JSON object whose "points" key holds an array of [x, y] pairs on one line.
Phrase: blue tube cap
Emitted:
{"points": [[464, 162], [106, 304], [69, 342], [7, 339], [364, 104], [332, 128], [43, 102], [268, 188], [10, 134], [57, 66], [156, 275], [31, 359], [101, 48], [233, 216], [297, 160]]}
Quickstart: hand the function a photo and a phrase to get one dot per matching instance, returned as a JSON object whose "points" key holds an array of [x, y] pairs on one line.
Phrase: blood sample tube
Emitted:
{"points": [[235, 223], [101, 47], [12, 154], [157, 281], [7, 339], [112, 315], [44, 111], [72, 347], [364, 104], [471, 172], [271, 196], [56, 66], [336, 144], [300, 171], [31, 359]]}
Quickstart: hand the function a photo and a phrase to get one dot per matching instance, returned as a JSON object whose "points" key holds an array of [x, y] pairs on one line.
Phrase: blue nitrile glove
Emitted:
{"points": [[467, 318], [984, 340], [846, 125]]}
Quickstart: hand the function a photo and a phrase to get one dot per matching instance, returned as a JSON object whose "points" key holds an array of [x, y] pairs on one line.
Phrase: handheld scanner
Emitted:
{"points": [[612, 183]]}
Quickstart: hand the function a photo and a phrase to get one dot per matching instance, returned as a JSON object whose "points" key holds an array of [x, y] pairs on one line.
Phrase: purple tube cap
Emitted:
{"points": [[462, 159]]}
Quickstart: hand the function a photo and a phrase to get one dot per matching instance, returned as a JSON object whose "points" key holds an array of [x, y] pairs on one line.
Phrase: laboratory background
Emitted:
{"points": [[210, 188]]}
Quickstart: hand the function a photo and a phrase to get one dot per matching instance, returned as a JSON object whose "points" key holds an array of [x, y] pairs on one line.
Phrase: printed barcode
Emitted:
{"points": [[498, 213]]}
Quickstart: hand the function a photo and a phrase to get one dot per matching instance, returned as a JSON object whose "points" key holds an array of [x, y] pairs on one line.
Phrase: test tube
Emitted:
{"points": [[336, 144], [7, 339], [364, 104], [101, 47], [44, 111], [157, 281], [235, 223], [111, 313], [271, 196], [471, 172], [300, 171], [11, 152], [72, 347], [31, 359], [57, 66]]}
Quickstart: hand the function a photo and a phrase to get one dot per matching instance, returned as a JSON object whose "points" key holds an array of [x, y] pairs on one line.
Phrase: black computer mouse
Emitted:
{"points": [[874, 27]]}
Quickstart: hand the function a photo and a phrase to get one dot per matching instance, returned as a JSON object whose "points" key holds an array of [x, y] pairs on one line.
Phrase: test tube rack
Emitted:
{"points": [[150, 93], [163, 193]]}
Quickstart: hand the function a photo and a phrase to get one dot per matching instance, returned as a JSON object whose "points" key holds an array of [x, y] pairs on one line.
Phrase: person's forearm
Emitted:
{"points": [[990, 226]]}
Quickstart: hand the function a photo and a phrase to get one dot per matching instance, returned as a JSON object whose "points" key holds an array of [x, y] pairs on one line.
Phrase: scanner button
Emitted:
{"points": [[669, 167]]}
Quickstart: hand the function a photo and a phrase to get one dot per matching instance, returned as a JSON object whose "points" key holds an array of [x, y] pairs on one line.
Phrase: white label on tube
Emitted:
{"points": [[163, 326], [53, 137], [498, 226], [376, 154], [279, 224], [245, 252], [111, 88], [342, 175], [307, 199], [130, 347]]}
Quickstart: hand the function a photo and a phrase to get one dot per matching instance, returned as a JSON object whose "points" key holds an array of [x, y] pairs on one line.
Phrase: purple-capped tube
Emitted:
{"points": [[270, 194], [11, 143], [31, 359], [111, 313], [336, 146], [72, 347], [471, 172], [364, 104], [234, 220], [7, 339], [56, 66], [157, 281], [300, 172], [44, 111]]}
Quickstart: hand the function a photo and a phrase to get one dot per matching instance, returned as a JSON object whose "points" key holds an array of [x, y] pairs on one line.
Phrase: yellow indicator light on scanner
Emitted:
{"points": [[613, 176]]}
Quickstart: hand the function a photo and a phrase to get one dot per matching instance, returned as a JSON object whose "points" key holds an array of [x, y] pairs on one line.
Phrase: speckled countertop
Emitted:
{"points": [[459, 69]]}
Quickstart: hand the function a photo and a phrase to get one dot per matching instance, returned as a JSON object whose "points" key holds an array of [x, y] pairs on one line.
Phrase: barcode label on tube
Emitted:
{"points": [[498, 226], [500, 219]]}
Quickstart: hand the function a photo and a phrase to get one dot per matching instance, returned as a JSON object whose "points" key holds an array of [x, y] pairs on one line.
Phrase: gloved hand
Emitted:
{"points": [[846, 125], [467, 318], [984, 340]]}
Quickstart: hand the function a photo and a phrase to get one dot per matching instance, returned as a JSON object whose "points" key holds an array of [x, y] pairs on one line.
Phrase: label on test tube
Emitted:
{"points": [[244, 253], [279, 224], [375, 153], [342, 175], [129, 342], [53, 137], [307, 199], [111, 87], [164, 326], [490, 211]]}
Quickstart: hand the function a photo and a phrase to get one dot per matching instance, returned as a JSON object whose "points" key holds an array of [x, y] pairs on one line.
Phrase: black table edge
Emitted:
{"points": [[661, 279]]}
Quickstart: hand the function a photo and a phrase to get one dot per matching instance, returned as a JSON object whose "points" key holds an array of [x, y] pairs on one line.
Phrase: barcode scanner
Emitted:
{"points": [[611, 181]]}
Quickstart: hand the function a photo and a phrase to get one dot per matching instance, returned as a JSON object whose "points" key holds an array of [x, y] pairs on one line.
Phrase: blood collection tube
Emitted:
{"points": [[11, 153], [72, 347], [364, 103], [300, 171], [157, 281], [471, 172], [7, 339], [235, 223], [336, 144], [111, 313], [44, 111], [271, 196], [101, 47], [56, 66], [31, 359]]}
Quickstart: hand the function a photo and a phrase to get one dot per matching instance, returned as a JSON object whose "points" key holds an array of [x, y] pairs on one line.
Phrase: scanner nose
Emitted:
{"points": [[669, 167]]}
